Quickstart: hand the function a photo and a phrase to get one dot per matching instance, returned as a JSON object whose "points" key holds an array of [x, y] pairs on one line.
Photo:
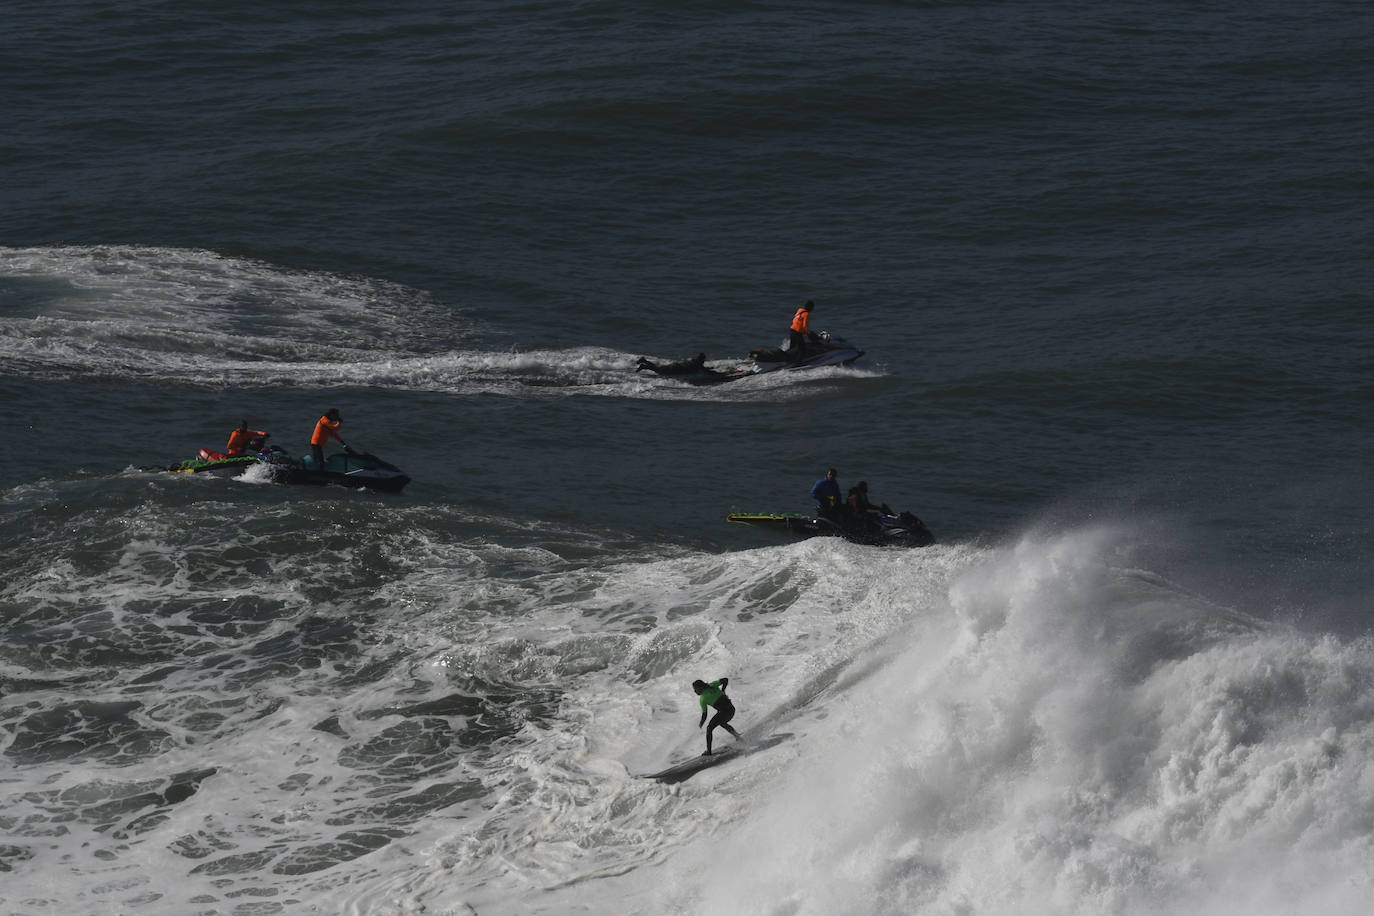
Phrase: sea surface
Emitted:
{"points": [[1111, 265]]}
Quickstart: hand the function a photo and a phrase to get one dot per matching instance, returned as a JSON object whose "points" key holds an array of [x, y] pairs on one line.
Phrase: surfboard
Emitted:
{"points": [[686, 769], [777, 521], [693, 765]]}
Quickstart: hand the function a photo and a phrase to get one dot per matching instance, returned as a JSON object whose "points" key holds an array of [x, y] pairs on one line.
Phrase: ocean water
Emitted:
{"points": [[1110, 268]]}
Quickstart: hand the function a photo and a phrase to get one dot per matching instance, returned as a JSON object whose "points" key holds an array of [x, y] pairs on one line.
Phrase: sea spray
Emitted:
{"points": [[1068, 735]]}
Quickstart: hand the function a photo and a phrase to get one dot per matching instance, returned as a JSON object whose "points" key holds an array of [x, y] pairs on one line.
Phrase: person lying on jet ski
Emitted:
{"points": [[681, 367], [801, 333], [243, 438]]}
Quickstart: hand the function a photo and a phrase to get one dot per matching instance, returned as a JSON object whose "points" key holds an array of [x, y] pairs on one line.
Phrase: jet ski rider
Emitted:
{"points": [[242, 438], [800, 332], [858, 501], [863, 512], [327, 427], [826, 493]]}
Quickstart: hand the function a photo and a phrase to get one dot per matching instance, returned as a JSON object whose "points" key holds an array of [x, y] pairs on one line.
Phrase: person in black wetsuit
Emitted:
{"points": [[858, 501], [862, 513], [713, 695], [696, 364]]}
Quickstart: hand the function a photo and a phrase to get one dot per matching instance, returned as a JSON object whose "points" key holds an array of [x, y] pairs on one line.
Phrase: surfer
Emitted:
{"points": [[713, 695], [327, 426], [241, 438], [681, 367]]}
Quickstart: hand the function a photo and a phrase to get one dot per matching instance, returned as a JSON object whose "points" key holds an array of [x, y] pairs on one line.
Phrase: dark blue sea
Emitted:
{"points": [[1110, 265]]}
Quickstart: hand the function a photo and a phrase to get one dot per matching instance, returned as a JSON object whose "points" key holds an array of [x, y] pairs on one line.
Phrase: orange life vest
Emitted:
{"points": [[324, 429], [801, 321], [239, 439]]}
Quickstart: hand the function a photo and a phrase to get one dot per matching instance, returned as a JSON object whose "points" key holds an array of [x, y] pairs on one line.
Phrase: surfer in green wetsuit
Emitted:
{"points": [[713, 695]]}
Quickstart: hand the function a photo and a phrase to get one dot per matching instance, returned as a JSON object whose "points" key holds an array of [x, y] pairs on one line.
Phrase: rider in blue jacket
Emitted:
{"points": [[827, 495]]}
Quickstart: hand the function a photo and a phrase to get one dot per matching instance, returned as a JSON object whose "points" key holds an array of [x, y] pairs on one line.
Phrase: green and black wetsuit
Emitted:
{"points": [[714, 697]]}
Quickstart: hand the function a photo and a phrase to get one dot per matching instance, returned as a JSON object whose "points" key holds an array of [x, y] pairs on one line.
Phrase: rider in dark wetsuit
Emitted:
{"points": [[713, 695], [863, 515]]}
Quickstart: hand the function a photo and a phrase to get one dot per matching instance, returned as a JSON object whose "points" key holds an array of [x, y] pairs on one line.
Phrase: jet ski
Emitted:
{"points": [[348, 468], [823, 349], [885, 529]]}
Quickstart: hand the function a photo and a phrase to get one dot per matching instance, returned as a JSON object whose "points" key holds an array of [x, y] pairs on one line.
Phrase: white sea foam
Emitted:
{"points": [[1066, 736], [1034, 728], [199, 318], [1042, 731]]}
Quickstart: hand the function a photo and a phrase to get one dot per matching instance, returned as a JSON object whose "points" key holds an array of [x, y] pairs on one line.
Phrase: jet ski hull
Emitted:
{"points": [[825, 350], [897, 530], [356, 471]]}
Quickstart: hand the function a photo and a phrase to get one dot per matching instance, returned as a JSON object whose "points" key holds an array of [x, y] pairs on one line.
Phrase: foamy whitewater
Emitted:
{"points": [[1040, 727], [1110, 269]]}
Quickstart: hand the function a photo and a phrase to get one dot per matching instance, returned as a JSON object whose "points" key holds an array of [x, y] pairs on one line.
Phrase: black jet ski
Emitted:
{"points": [[882, 529], [823, 349], [347, 469]]}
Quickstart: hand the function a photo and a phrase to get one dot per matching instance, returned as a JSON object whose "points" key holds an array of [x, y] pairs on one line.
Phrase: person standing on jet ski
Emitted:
{"points": [[826, 493], [243, 437], [800, 333], [327, 427]]}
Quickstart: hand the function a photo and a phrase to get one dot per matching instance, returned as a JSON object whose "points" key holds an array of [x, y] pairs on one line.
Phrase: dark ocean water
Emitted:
{"points": [[1110, 267]]}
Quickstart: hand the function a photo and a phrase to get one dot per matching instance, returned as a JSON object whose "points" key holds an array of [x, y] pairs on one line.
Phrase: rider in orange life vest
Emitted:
{"points": [[241, 438], [327, 426], [801, 331]]}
